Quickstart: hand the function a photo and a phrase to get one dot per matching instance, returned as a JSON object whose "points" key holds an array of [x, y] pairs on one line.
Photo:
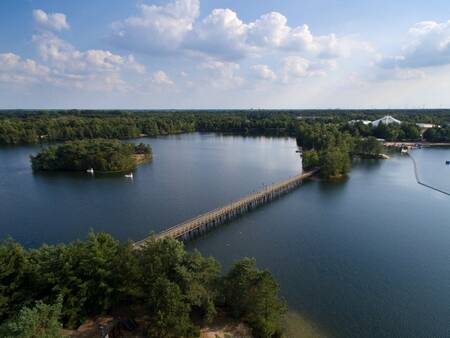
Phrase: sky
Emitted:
{"points": [[260, 54]]}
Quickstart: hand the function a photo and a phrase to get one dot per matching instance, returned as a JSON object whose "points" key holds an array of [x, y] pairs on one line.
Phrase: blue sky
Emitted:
{"points": [[224, 54]]}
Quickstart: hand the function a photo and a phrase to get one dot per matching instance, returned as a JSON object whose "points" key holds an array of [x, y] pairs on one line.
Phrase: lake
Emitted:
{"points": [[364, 257]]}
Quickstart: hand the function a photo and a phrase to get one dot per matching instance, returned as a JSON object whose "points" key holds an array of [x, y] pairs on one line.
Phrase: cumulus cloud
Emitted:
{"points": [[161, 78], [63, 65], [221, 75], [157, 29], [263, 72], [299, 67], [13, 69], [221, 34], [65, 57], [428, 46], [56, 21], [175, 28]]}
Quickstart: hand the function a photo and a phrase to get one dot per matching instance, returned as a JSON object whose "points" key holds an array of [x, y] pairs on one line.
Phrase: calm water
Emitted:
{"points": [[368, 257]]}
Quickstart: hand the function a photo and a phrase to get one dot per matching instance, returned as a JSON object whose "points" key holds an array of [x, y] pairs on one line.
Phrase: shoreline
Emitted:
{"points": [[422, 143]]}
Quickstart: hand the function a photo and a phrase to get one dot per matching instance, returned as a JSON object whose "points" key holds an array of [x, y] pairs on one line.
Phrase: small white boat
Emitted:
{"points": [[130, 175], [404, 150], [90, 170]]}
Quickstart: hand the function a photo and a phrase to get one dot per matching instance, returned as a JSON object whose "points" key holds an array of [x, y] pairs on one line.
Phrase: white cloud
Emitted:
{"points": [[428, 45], [270, 30], [56, 21], [221, 34], [221, 75], [175, 28], [63, 56], [299, 67], [264, 72], [13, 69], [161, 78], [64, 65], [157, 29]]}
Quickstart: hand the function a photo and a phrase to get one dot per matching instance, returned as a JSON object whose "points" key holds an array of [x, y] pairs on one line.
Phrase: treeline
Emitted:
{"points": [[437, 135], [57, 127], [100, 154], [331, 149], [65, 284], [390, 132], [21, 127]]}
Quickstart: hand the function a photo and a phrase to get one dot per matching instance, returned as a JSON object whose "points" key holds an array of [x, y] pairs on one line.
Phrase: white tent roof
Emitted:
{"points": [[386, 120]]}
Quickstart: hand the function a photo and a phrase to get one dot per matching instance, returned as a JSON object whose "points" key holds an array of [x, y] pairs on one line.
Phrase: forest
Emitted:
{"points": [[102, 155], [44, 289], [32, 127]]}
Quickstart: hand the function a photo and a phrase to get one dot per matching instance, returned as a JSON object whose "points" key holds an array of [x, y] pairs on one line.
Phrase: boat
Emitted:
{"points": [[404, 150], [447, 162], [130, 175], [90, 170]]}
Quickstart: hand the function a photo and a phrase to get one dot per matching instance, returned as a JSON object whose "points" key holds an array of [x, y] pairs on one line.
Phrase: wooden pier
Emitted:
{"points": [[195, 226]]}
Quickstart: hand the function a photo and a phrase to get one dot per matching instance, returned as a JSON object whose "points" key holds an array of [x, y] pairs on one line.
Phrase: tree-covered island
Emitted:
{"points": [[331, 149], [105, 156]]}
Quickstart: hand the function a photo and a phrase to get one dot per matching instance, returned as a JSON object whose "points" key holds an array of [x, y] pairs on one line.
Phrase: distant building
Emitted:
{"points": [[386, 121], [365, 122], [426, 125]]}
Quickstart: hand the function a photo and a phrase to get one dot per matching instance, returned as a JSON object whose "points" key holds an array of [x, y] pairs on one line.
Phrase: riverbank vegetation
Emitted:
{"points": [[66, 284], [102, 155], [32, 127]]}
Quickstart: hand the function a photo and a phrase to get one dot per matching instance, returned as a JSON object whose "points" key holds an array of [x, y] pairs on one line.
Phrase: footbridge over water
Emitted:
{"points": [[197, 225]]}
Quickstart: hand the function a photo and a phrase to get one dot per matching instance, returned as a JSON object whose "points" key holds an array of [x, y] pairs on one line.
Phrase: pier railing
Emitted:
{"points": [[203, 222]]}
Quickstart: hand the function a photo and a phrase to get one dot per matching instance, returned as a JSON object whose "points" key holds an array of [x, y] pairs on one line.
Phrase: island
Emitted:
{"points": [[99, 155]]}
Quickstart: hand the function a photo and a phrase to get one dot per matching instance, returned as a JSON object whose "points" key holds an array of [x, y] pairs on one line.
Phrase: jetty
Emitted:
{"points": [[204, 222]]}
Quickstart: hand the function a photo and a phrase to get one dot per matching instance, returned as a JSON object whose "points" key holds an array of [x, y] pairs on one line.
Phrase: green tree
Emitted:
{"points": [[253, 295], [310, 159], [367, 146], [169, 312], [39, 321], [335, 162], [14, 277]]}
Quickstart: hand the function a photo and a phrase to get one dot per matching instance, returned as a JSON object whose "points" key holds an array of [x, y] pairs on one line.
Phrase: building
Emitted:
{"points": [[426, 125], [386, 121], [365, 122]]}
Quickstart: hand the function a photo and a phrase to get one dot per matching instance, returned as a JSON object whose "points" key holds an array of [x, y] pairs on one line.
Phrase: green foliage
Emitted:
{"points": [[327, 147], [437, 134], [14, 277], [82, 272], [92, 277], [367, 146], [335, 162], [99, 154], [170, 311], [310, 159], [39, 321], [252, 295]]}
